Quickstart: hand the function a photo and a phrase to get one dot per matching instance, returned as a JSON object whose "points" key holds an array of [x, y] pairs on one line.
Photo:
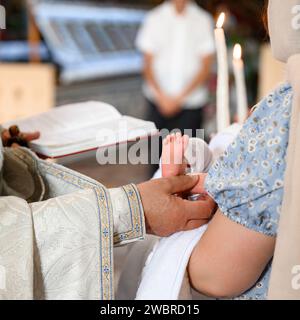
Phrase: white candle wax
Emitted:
{"points": [[223, 114], [240, 82]]}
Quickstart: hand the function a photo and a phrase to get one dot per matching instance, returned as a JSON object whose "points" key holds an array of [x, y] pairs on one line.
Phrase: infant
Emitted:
{"points": [[183, 155], [164, 275]]}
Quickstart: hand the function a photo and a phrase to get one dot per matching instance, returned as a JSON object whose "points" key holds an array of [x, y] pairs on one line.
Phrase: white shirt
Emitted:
{"points": [[177, 42]]}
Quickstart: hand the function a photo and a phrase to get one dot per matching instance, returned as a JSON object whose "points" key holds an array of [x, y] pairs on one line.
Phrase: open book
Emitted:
{"points": [[80, 127]]}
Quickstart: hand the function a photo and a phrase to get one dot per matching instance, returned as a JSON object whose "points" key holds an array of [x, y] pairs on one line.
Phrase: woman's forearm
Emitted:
{"points": [[229, 258]]}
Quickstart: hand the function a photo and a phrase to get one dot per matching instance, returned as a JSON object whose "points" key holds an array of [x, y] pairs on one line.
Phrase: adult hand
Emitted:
{"points": [[168, 106], [167, 213], [14, 138], [199, 188]]}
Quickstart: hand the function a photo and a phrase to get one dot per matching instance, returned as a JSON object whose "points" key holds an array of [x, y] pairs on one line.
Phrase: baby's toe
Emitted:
{"points": [[178, 136], [185, 140], [166, 141], [172, 138]]}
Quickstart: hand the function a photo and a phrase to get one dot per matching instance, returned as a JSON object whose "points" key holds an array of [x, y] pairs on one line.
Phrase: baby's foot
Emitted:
{"points": [[173, 163]]}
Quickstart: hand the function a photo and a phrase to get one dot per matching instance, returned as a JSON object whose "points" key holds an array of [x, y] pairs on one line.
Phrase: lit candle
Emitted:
{"points": [[240, 82], [223, 114]]}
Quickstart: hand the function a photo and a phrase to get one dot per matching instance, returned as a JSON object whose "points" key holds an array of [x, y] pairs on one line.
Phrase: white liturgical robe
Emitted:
{"points": [[58, 229]]}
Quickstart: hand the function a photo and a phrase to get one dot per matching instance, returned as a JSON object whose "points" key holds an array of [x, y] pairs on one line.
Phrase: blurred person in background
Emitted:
{"points": [[178, 46]]}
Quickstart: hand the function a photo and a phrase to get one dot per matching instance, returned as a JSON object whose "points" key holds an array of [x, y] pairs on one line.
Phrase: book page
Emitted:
{"points": [[106, 134], [69, 118], [110, 132]]}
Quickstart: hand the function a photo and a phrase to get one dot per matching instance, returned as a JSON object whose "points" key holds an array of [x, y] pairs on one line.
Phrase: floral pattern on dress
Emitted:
{"points": [[247, 180]]}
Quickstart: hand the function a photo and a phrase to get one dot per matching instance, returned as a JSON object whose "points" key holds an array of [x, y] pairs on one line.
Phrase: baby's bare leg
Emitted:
{"points": [[173, 162]]}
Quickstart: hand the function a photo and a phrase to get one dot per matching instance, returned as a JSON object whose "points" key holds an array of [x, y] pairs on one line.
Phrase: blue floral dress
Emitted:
{"points": [[247, 180]]}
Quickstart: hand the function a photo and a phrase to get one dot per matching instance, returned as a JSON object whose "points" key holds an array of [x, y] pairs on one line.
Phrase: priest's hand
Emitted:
{"points": [[166, 212], [14, 138]]}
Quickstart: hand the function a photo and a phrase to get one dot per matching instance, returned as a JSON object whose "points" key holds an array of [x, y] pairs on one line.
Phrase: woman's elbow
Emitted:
{"points": [[216, 290], [214, 285]]}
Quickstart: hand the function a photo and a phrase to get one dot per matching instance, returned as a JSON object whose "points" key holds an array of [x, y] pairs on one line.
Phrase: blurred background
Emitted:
{"points": [[56, 52]]}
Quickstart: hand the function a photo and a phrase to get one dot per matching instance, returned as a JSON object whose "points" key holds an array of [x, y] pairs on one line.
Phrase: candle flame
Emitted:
{"points": [[221, 20], [237, 52]]}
